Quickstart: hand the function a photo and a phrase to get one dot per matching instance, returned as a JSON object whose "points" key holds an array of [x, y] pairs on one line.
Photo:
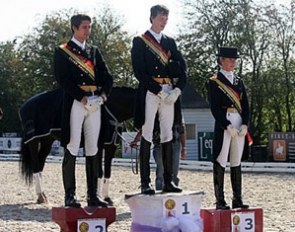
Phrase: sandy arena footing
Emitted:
{"points": [[275, 193]]}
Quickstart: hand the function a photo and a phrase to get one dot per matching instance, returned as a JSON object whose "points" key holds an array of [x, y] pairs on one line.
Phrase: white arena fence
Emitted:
{"points": [[273, 167]]}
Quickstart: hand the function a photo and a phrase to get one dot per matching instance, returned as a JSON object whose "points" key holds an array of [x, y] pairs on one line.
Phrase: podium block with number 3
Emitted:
{"points": [[239, 220]]}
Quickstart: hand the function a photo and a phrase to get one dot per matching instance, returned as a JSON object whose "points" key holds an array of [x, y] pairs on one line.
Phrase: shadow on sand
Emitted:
{"points": [[24, 212]]}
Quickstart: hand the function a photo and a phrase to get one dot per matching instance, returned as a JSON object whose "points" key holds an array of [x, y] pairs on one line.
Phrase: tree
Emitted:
{"points": [[28, 65], [11, 72], [37, 49], [209, 25], [283, 25], [114, 44], [252, 28]]}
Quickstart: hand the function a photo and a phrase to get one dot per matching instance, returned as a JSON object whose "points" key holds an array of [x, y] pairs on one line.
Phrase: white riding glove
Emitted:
{"points": [[100, 100], [173, 96], [243, 130], [104, 97], [94, 103], [163, 95], [232, 131]]}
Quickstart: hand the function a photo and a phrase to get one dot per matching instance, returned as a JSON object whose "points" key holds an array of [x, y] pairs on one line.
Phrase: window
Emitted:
{"points": [[190, 131]]}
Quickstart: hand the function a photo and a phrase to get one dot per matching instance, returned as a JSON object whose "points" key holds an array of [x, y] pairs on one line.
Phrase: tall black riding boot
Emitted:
{"points": [[144, 164], [69, 180], [218, 180], [236, 183], [167, 152], [91, 176]]}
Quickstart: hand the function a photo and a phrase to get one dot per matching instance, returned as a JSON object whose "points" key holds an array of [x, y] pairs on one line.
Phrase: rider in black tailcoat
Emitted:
{"points": [[161, 71], [155, 68], [82, 73], [230, 108], [75, 75]]}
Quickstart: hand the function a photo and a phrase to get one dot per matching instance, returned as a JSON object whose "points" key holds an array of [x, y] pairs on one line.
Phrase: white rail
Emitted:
{"points": [[184, 164]]}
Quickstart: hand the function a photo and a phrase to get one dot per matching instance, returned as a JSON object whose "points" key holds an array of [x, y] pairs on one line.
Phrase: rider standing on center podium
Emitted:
{"points": [[161, 72], [230, 108]]}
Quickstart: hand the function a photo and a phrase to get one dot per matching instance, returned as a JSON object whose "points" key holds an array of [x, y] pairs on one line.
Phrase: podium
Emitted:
{"points": [[165, 211], [235, 220], [69, 218]]}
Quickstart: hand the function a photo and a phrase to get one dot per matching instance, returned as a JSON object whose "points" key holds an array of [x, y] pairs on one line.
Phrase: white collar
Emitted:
{"points": [[228, 74], [81, 45], [157, 36]]}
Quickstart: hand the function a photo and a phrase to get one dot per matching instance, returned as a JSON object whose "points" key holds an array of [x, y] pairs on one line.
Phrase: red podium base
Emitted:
{"points": [[67, 217], [241, 219]]}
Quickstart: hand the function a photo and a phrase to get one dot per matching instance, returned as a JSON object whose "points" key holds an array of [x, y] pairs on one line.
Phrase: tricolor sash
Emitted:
{"points": [[229, 92], [80, 61], [156, 49], [234, 97]]}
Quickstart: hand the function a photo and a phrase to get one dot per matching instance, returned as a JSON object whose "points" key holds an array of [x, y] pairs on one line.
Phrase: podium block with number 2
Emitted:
{"points": [[239, 220], [88, 219]]}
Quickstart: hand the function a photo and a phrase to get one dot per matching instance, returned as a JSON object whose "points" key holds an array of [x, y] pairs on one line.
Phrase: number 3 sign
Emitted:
{"points": [[242, 221]]}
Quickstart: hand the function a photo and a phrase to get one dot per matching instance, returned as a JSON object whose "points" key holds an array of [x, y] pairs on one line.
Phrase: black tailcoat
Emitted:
{"points": [[146, 66], [70, 77], [219, 103]]}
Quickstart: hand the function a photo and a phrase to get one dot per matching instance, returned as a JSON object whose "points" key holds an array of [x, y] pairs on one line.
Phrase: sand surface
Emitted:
{"points": [[275, 193]]}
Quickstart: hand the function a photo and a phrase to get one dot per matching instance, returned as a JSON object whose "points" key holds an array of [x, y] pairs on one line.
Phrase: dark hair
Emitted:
{"points": [[76, 20], [218, 60], [158, 9]]}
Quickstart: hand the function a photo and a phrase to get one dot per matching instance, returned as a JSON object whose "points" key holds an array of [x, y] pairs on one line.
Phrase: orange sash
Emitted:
{"points": [[235, 98], [156, 49], [230, 93], [80, 61]]}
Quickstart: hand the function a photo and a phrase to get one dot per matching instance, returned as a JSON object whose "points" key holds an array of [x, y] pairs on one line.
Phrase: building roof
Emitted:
{"points": [[190, 99]]}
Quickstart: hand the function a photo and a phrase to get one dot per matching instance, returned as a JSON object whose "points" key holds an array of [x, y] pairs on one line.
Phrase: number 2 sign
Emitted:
{"points": [[91, 225]]}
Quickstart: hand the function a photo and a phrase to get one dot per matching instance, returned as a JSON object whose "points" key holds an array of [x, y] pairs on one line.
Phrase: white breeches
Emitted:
{"points": [[154, 104], [90, 122], [232, 146]]}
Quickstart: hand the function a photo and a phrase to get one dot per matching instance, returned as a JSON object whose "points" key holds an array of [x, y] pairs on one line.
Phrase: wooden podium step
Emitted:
{"points": [[83, 219], [236, 220]]}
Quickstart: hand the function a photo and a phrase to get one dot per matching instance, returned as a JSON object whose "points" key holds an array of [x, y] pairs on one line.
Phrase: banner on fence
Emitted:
{"points": [[10, 143], [282, 146]]}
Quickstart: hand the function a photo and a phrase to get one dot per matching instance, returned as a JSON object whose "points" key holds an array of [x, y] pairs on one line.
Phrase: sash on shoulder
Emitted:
{"points": [[234, 97], [230, 93], [80, 61], [156, 49]]}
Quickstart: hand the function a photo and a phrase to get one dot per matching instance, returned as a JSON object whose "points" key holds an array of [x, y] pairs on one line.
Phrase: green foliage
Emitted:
{"points": [[114, 43], [264, 34], [26, 67]]}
